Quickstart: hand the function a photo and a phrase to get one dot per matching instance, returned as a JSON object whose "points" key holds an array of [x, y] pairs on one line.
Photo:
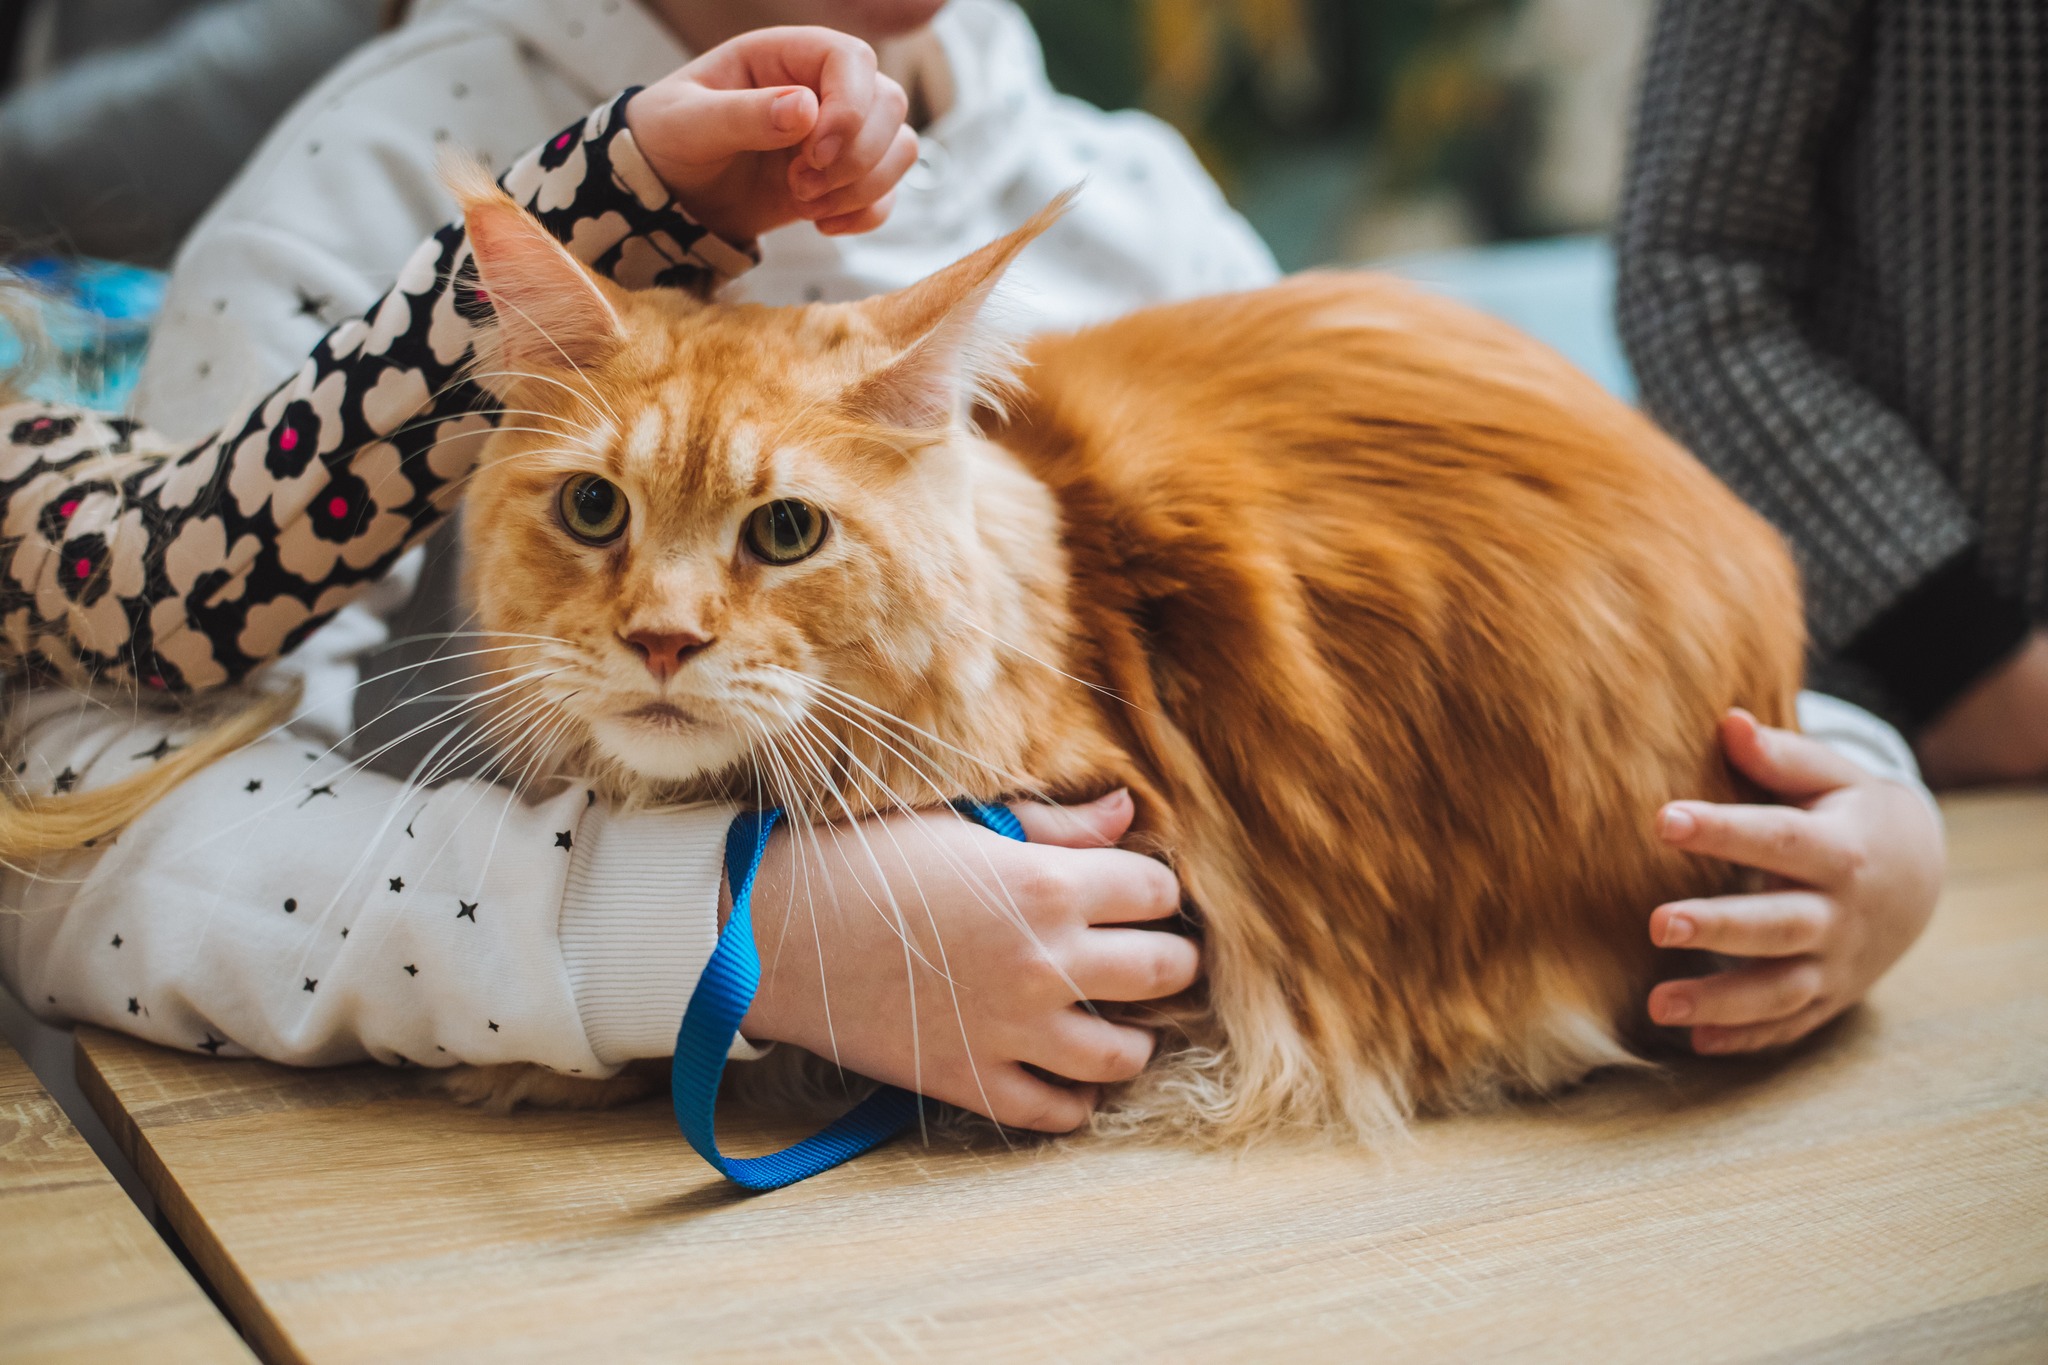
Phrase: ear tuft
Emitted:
{"points": [[949, 355], [552, 313]]}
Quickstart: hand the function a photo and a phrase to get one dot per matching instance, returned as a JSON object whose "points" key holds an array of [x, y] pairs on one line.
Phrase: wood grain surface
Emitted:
{"points": [[83, 1277], [1880, 1193]]}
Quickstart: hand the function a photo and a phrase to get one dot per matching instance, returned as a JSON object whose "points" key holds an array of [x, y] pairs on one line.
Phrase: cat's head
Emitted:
{"points": [[702, 526]]}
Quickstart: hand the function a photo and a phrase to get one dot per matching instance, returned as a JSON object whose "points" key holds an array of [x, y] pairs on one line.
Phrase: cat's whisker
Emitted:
{"points": [[799, 827], [931, 916], [1111, 693], [590, 391], [485, 734], [482, 792], [1015, 916], [912, 955], [511, 635], [1016, 781], [476, 700], [543, 750]]}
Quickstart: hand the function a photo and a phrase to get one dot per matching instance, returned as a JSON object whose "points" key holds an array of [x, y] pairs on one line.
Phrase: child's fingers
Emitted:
{"points": [[1084, 1047], [899, 158], [1133, 964], [1782, 762], [1759, 993], [847, 89], [1097, 824], [1770, 924], [1781, 839], [1116, 886], [857, 154], [860, 220], [1717, 1040], [722, 123], [1018, 1099]]}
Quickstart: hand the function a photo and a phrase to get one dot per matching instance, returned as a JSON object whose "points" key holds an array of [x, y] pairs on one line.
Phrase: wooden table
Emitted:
{"points": [[1882, 1193], [82, 1276]]}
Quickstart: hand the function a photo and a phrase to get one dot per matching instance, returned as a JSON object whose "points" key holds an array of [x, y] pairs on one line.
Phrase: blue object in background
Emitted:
{"points": [[95, 317], [1560, 291]]}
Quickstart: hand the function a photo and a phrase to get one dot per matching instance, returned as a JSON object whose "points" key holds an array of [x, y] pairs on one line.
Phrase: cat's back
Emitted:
{"points": [[1389, 447], [1418, 628]]}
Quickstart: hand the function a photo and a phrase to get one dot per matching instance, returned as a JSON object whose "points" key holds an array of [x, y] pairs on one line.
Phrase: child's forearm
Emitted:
{"points": [[284, 905]]}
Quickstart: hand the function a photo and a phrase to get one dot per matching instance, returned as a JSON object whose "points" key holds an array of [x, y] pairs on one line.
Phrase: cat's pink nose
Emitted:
{"points": [[664, 651]]}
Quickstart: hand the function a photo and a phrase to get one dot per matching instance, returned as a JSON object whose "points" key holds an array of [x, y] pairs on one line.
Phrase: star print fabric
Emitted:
{"points": [[129, 559], [286, 905]]}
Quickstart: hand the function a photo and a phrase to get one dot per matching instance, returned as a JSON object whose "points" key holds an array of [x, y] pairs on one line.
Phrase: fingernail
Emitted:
{"points": [[1114, 800], [1703, 1041], [809, 184], [1673, 1009], [1676, 822], [787, 110], [825, 152], [1678, 929]]}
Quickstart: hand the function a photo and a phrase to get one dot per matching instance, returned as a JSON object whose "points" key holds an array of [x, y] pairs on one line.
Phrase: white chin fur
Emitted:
{"points": [[665, 757]]}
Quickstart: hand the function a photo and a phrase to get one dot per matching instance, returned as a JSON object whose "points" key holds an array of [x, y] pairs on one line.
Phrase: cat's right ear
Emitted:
{"points": [[946, 359], [552, 313]]}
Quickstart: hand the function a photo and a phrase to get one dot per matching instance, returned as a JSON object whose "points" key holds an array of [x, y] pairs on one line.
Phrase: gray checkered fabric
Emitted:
{"points": [[1834, 281]]}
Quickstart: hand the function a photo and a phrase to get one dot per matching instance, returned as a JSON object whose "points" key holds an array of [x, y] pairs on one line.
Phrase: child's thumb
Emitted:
{"points": [[1786, 764], [725, 123], [1099, 824]]}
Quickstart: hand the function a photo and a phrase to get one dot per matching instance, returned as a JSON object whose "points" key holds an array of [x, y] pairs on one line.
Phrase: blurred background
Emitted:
{"points": [[1351, 130], [1475, 145]]}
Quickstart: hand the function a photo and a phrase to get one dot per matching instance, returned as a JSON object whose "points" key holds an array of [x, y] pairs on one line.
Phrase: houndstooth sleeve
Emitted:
{"points": [[128, 559], [1725, 231]]}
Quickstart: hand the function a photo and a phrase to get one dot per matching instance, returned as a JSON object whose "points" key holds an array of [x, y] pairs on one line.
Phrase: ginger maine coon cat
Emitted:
{"points": [[1398, 627]]}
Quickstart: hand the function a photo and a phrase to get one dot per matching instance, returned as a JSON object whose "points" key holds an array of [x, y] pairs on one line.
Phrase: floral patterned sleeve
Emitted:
{"points": [[127, 559]]}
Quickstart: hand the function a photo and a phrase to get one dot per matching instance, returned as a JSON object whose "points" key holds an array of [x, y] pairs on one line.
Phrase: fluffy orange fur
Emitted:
{"points": [[1398, 626]]}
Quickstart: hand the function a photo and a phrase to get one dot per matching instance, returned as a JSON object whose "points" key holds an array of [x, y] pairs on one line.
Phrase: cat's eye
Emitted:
{"points": [[593, 509], [784, 531]]}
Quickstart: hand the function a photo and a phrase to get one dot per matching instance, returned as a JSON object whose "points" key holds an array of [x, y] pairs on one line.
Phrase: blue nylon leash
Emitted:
{"points": [[724, 994]]}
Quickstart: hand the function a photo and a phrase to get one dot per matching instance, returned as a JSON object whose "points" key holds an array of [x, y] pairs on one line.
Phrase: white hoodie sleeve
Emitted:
{"points": [[1862, 738], [285, 905]]}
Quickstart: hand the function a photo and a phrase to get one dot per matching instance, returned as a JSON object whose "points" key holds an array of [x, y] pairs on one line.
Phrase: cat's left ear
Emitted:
{"points": [[945, 353], [552, 312]]}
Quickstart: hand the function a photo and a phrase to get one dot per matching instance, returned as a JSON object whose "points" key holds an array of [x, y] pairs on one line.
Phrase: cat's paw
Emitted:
{"points": [[501, 1089]]}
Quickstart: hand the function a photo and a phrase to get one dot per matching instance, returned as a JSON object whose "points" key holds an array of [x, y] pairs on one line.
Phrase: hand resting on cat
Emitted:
{"points": [[1854, 862], [778, 125], [988, 1001]]}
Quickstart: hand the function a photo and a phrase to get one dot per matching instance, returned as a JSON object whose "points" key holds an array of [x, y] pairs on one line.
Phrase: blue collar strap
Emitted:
{"points": [[724, 994]]}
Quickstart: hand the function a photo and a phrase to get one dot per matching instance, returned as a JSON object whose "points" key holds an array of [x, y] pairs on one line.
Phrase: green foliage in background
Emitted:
{"points": [[1313, 113]]}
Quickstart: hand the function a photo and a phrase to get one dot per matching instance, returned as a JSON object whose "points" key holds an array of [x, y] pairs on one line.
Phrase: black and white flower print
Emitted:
{"points": [[131, 560]]}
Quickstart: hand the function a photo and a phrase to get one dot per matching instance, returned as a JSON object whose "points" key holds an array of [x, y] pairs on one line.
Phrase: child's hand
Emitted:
{"points": [[776, 125], [1855, 863], [860, 927]]}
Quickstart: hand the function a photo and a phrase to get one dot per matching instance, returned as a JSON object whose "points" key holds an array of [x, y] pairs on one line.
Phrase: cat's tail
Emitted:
{"points": [[33, 827]]}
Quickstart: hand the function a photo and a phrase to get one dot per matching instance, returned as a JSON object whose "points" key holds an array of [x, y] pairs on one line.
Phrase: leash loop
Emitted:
{"points": [[721, 1000]]}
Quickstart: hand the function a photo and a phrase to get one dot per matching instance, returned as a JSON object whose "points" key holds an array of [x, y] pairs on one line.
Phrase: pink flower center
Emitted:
{"points": [[156, 680], [67, 507], [83, 568], [337, 507], [561, 142], [288, 439]]}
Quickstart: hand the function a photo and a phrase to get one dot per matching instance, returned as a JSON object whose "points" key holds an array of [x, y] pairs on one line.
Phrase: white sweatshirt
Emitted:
{"points": [[287, 905]]}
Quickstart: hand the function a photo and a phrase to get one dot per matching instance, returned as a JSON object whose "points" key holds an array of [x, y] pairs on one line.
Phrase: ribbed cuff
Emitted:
{"points": [[639, 921], [1933, 643]]}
